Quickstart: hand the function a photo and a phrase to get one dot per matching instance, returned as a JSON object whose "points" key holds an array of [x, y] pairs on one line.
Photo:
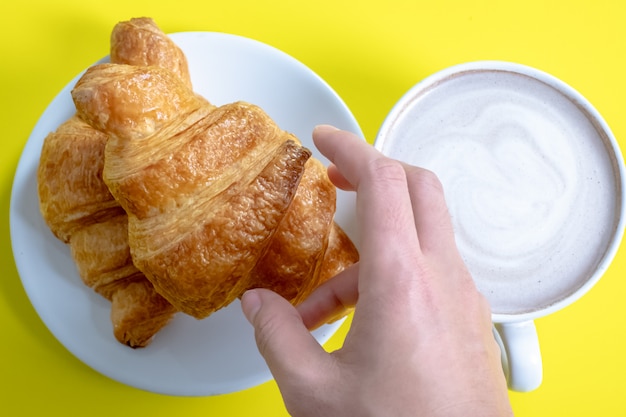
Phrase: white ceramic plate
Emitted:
{"points": [[189, 357]]}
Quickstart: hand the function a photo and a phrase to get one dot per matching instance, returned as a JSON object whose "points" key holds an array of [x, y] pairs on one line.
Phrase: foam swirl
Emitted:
{"points": [[511, 186]]}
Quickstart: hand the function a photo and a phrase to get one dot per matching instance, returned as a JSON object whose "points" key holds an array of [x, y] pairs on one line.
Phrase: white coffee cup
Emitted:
{"points": [[535, 182]]}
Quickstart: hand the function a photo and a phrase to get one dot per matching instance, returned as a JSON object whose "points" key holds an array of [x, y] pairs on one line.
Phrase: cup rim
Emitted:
{"points": [[432, 81]]}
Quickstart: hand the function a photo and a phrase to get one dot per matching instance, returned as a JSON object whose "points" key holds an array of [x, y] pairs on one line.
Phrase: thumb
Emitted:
{"points": [[282, 338]]}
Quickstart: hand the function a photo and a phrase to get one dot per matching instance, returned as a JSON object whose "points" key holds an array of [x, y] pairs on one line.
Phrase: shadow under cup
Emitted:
{"points": [[534, 180]]}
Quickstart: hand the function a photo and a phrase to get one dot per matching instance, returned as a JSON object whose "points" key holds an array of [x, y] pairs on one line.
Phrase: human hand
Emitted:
{"points": [[421, 341]]}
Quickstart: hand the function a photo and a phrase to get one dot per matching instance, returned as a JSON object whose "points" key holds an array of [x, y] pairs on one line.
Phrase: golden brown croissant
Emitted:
{"points": [[80, 210], [219, 199]]}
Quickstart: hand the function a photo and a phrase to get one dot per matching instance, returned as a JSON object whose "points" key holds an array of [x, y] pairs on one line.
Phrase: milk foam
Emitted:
{"points": [[529, 182]]}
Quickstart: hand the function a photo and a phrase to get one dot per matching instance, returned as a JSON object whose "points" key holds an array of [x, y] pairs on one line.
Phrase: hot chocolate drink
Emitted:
{"points": [[530, 179]]}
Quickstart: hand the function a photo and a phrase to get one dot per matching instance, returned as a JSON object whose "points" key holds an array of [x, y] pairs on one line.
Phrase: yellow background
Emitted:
{"points": [[370, 53]]}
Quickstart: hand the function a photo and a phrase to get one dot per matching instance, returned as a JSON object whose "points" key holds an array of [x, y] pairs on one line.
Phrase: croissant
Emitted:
{"points": [[219, 200], [80, 210]]}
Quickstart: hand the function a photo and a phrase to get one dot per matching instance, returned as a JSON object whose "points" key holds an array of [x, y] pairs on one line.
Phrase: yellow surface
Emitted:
{"points": [[370, 53]]}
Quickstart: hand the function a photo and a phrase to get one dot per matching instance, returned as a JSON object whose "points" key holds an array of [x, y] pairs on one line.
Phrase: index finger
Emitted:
{"points": [[383, 208]]}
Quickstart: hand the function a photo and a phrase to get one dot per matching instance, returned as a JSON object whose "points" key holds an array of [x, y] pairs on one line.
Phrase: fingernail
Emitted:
{"points": [[325, 128], [250, 304]]}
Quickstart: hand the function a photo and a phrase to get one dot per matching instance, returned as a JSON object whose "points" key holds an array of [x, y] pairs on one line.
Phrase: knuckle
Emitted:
{"points": [[386, 170], [425, 180]]}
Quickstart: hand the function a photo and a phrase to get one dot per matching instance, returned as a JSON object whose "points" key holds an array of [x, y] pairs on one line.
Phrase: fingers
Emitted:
{"points": [[433, 225], [384, 212], [282, 338], [432, 218], [331, 300]]}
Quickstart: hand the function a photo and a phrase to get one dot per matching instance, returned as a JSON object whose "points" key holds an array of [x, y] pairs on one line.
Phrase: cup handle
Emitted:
{"points": [[521, 357]]}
